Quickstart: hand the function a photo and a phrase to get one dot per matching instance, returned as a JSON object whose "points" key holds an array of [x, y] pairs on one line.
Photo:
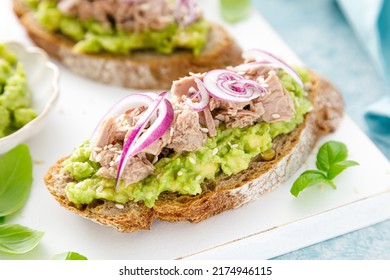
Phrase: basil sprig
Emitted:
{"points": [[331, 161], [15, 184], [17, 239]]}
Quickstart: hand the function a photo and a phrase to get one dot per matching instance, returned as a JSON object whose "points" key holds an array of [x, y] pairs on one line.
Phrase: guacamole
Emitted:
{"points": [[229, 152], [15, 109], [92, 37]]}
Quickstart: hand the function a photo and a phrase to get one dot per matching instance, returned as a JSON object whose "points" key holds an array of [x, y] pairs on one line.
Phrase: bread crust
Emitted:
{"points": [[141, 69], [225, 192]]}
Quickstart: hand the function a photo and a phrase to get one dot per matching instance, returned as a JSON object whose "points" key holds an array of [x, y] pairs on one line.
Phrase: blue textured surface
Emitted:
{"points": [[321, 37]]}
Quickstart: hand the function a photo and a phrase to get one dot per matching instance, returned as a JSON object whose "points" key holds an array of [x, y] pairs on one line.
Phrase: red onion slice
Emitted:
{"points": [[231, 87], [134, 100], [261, 56], [136, 142], [202, 94]]}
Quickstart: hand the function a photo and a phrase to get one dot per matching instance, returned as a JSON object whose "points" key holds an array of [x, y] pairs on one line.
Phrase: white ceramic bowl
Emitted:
{"points": [[43, 81]]}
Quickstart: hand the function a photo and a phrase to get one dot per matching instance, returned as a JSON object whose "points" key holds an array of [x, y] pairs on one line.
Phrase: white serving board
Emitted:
{"points": [[275, 224]]}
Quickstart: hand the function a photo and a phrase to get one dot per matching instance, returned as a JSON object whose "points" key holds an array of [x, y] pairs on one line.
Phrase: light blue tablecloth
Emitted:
{"points": [[370, 20], [320, 34]]}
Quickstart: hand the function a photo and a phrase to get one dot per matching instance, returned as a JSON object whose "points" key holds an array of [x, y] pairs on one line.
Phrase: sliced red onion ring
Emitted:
{"points": [[261, 55], [136, 142], [231, 87], [201, 94], [134, 100]]}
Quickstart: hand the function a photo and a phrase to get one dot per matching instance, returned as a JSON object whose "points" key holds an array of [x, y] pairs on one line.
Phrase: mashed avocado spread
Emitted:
{"points": [[92, 37], [14, 94], [230, 152]]}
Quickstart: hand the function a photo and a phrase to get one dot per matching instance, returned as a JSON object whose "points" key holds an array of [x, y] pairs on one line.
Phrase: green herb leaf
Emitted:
{"points": [[339, 167], [69, 256], [15, 179], [309, 178], [2, 219], [16, 239], [330, 153]]}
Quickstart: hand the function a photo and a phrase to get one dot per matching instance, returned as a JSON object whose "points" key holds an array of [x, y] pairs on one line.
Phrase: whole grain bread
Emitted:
{"points": [[225, 192], [141, 69]]}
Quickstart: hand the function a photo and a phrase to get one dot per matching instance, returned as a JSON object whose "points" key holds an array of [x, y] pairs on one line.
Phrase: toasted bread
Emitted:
{"points": [[142, 69], [225, 192]]}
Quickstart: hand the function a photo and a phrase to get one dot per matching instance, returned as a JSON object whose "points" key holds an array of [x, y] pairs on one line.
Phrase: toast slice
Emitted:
{"points": [[225, 192], [141, 69]]}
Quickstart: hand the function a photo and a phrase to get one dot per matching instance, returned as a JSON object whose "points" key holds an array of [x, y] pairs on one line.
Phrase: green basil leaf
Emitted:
{"points": [[16, 239], [69, 256], [339, 167], [330, 153], [309, 178], [15, 179]]}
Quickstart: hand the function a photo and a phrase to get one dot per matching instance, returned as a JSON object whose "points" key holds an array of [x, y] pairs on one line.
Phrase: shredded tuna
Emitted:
{"points": [[156, 147], [187, 133], [185, 87], [137, 167], [277, 104], [208, 121], [107, 131], [128, 15]]}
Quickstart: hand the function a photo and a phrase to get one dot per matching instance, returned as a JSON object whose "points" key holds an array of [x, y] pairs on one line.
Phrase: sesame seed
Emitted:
{"points": [[234, 146], [192, 160], [113, 149], [99, 189], [203, 129], [97, 149], [215, 151], [110, 146], [275, 116], [179, 173], [98, 157], [112, 163], [191, 90], [310, 109], [119, 206], [260, 80], [198, 178]]}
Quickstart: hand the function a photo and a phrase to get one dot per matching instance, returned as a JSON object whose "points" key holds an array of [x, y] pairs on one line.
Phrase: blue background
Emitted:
{"points": [[320, 35]]}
